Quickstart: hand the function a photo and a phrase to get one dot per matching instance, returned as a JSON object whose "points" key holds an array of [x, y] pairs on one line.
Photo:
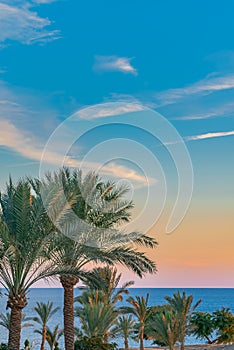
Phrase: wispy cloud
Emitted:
{"points": [[44, 1], [18, 22], [108, 110], [114, 64], [209, 135], [225, 109], [24, 108], [203, 87], [30, 147]]}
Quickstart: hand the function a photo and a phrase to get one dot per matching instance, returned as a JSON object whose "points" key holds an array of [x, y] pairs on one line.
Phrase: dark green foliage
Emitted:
{"points": [[202, 325], [27, 345], [155, 311], [93, 343], [3, 346], [219, 324]]}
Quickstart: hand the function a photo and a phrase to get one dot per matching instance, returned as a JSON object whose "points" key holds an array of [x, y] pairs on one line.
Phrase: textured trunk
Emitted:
{"points": [[126, 343], [16, 303], [142, 338], [182, 335], [141, 343], [15, 329], [68, 283], [43, 337], [106, 337]]}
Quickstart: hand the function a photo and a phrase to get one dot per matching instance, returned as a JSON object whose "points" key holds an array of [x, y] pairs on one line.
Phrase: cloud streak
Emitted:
{"points": [[203, 87], [209, 135], [225, 109], [18, 22], [114, 64], [29, 147], [109, 110]]}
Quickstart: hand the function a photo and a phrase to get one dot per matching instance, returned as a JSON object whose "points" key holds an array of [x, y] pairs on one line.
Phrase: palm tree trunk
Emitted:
{"points": [[16, 303], [15, 328], [142, 337], [68, 283], [106, 337], [43, 337], [126, 343], [182, 344], [141, 343]]}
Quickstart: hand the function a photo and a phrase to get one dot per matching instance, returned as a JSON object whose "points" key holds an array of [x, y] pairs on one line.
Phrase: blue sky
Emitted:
{"points": [[176, 57]]}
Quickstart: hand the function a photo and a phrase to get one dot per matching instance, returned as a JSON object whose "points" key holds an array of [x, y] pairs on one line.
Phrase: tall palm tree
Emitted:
{"points": [[140, 309], [125, 327], [44, 311], [92, 234], [27, 252], [182, 304]]}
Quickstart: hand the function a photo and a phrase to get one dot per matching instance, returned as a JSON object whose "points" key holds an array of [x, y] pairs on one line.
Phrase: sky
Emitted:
{"points": [[143, 92]]}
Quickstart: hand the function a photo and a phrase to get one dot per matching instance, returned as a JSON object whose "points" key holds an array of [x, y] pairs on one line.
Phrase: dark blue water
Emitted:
{"points": [[212, 299]]}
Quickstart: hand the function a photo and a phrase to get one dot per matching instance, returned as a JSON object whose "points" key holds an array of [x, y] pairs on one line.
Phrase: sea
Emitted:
{"points": [[212, 299]]}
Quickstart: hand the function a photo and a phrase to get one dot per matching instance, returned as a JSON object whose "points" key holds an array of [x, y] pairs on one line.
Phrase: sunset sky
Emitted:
{"points": [[133, 60]]}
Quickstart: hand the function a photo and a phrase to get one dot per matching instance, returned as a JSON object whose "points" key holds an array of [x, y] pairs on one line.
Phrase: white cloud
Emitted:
{"points": [[203, 87], [209, 135], [44, 1], [29, 147], [18, 22], [114, 64], [108, 110], [225, 109], [24, 130]]}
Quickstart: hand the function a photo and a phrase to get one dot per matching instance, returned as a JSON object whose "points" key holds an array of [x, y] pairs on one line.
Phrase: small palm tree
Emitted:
{"points": [[53, 336], [182, 304], [165, 328], [125, 327], [96, 316], [45, 311], [140, 309], [5, 321], [107, 280]]}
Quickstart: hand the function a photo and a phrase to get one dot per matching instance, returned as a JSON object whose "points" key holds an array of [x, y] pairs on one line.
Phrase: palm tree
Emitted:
{"points": [[165, 328], [182, 304], [52, 336], [223, 320], [27, 252], [6, 318], [125, 327], [107, 280], [92, 234], [227, 336], [45, 311], [96, 316], [140, 309]]}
